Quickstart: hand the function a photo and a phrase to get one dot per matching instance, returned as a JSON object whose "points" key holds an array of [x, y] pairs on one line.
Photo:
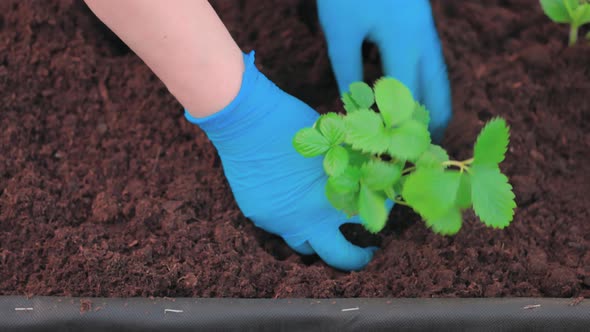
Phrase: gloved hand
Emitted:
{"points": [[275, 187], [406, 36]]}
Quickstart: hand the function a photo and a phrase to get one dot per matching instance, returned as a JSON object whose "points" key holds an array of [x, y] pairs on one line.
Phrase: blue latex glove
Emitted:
{"points": [[406, 36], [275, 187]]}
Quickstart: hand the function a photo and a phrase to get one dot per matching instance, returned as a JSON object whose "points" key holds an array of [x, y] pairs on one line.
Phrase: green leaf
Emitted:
{"points": [[409, 141], [355, 157], [571, 7], [421, 114], [390, 193], [398, 187], [372, 209], [362, 94], [492, 196], [336, 160], [394, 100], [347, 202], [448, 224], [365, 131], [378, 174], [582, 14], [463, 200], [433, 157], [309, 142], [431, 192], [349, 104], [556, 10], [492, 142], [332, 127], [346, 182]]}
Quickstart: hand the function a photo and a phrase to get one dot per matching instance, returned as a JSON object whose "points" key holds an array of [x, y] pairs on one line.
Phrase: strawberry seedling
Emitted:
{"points": [[573, 12], [371, 157]]}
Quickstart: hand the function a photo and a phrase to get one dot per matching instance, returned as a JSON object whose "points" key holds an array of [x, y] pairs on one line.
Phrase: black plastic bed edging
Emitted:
{"points": [[195, 314]]}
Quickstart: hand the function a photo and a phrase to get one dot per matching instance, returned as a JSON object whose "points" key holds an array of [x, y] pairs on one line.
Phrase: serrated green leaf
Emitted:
{"points": [[390, 193], [347, 202], [346, 182], [372, 209], [395, 101], [362, 94], [349, 104], [309, 142], [421, 114], [449, 224], [366, 132], [556, 10], [335, 161], [582, 14], [332, 126], [378, 174], [463, 200], [355, 157], [571, 6], [492, 196], [434, 156], [398, 187], [431, 191], [492, 143], [409, 141]]}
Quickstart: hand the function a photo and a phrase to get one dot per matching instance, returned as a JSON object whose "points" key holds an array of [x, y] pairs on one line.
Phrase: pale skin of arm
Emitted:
{"points": [[184, 43]]}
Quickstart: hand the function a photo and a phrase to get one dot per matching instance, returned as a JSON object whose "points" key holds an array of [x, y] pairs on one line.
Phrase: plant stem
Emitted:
{"points": [[573, 34], [462, 165], [400, 202], [408, 170], [456, 163]]}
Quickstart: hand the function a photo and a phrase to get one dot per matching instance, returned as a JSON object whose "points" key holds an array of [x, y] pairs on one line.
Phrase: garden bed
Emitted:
{"points": [[107, 191]]}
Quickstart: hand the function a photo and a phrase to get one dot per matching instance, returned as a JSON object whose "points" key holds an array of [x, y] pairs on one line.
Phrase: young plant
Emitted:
{"points": [[574, 12], [371, 157]]}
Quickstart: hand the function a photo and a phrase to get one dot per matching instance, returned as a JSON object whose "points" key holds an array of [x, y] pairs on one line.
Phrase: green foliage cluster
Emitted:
{"points": [[573, 12], [371, 156]]}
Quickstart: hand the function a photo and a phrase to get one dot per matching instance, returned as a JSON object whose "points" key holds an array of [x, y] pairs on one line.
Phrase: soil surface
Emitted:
{"points": [[106, 190]]}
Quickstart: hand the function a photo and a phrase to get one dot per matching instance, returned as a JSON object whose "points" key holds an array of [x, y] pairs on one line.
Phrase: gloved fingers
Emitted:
{"points": [[435, 88], [334, 249], [400, 60], [344, 40], [345, 55], [303, 248]]}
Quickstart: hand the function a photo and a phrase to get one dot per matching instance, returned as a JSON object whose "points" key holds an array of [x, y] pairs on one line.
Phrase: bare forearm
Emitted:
{"points": [[184, 43]]}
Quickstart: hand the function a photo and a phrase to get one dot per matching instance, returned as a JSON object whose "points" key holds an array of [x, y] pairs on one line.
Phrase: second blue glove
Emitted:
{"points": [[406, 36]]}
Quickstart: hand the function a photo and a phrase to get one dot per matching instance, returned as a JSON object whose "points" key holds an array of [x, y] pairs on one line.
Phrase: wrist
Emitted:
{"points": [[225, 118], [246, 112], [212, 84], [259, 114]]}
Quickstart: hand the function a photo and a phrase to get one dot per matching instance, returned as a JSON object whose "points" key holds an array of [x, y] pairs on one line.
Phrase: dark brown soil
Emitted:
{"points": [[106, 190]]}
